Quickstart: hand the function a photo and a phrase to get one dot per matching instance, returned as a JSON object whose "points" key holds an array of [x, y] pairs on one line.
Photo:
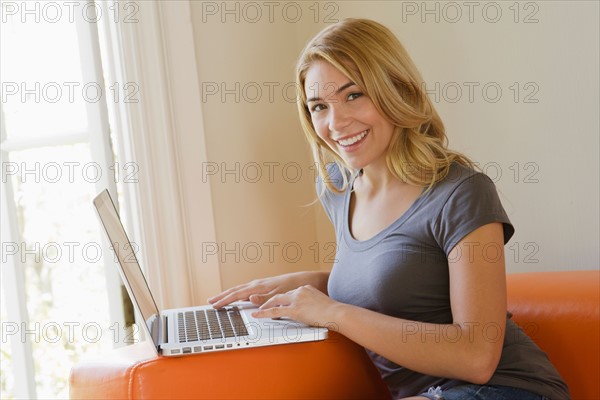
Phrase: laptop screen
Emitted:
{"points": [[125, 253]]}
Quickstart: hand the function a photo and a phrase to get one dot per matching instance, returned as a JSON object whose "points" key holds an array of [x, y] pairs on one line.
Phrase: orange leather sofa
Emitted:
{"points": [[559, 310]]}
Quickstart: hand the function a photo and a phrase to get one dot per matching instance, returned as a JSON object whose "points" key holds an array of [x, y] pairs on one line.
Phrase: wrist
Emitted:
{"points": [[320, 280], [334, 315], [316, 279]]}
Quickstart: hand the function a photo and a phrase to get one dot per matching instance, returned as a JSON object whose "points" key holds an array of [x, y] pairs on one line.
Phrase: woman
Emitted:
{"points": [[419, 277]]}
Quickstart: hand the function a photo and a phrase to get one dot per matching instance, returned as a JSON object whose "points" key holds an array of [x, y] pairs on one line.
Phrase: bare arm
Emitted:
{"points": [[468, 349]]}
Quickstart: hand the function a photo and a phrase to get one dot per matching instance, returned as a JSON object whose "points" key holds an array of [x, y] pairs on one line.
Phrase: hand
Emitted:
{"points": [[305, 304], [260, 290]]}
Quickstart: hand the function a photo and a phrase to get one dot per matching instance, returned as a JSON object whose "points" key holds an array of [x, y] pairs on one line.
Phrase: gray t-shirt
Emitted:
{"points": [[403, 272]]}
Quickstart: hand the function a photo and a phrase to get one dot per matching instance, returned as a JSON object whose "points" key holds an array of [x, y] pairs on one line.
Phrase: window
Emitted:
{"points": [[61, 295], [151, 97]]}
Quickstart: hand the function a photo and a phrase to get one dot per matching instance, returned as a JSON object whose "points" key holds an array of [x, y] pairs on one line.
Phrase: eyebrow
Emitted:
{"points": [[341, 89]]}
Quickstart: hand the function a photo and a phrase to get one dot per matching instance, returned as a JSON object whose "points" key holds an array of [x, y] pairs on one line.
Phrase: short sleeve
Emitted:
{"points": [[328, 199], [474, 202], [324, 198]]}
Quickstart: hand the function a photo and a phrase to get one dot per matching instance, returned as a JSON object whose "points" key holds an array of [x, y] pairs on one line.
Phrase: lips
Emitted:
{"points": [[352, 140]]}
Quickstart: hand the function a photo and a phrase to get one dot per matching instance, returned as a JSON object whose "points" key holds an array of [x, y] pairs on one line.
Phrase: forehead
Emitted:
{"points": [[323, 79]]}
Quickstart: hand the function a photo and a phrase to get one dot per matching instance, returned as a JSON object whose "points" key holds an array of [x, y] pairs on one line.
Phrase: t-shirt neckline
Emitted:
{"points": [[367, 243]]}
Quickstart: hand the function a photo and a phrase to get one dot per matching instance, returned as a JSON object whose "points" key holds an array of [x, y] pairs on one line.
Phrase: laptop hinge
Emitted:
{"points": [[164, 329], [155, 329]]}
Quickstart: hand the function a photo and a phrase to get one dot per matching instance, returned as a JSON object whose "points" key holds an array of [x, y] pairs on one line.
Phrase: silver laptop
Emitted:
{"points": [[194, 330]]}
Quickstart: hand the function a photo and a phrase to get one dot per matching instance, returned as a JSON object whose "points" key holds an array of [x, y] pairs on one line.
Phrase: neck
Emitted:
{"points": [[377, 177]]}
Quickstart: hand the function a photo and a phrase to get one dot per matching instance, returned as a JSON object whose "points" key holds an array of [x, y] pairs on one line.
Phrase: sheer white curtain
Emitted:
{"points": [[163, 135]]}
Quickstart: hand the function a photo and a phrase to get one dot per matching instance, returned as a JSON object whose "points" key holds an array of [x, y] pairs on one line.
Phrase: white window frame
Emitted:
{"points": [[164, 135], [98, 138], [13, 285]]}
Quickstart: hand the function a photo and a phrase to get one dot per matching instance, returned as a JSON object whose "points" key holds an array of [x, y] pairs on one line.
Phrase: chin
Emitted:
{"points": [[354, 165]]}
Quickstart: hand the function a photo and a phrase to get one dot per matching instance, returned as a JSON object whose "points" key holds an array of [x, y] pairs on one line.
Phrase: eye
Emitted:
{"points": [[354, 96], [317, 107]]}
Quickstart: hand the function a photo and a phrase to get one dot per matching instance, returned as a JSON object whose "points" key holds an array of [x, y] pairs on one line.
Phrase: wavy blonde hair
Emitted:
{"points": [[374, 59]]}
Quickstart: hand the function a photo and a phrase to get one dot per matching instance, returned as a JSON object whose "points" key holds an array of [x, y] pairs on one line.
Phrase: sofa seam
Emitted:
{"points": [[132, 374]]}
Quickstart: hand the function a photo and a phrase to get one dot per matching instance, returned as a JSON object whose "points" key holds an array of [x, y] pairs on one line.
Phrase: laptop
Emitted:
{"points": [[194, 330]]}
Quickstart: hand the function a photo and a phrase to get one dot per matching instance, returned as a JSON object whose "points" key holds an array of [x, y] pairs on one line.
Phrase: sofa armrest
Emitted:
{"points": [[333, 368]]}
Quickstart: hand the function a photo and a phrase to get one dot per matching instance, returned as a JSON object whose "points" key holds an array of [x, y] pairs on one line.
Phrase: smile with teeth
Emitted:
{"points": [[354, 139]]}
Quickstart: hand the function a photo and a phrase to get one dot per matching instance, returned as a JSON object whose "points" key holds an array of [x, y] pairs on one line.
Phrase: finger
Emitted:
{"points": [[243, 293], [225, 293], [235, 296], [229, 299], [260, 298], [277, 301], [274, 312]]}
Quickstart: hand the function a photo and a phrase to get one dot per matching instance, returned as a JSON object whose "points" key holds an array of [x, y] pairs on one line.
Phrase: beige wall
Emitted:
{"points": [[543, 156], [545, 151], [264, 226]]}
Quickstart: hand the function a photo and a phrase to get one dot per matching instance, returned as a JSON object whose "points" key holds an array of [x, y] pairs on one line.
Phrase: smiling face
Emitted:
{"points": [[345, 118]]}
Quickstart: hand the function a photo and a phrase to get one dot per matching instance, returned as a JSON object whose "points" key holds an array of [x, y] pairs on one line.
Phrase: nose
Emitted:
{"points": [[339, 117]]}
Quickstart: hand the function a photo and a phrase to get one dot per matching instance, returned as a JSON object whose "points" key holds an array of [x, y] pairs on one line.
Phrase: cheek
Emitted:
{"points": [[391, 128], [321, 129]]}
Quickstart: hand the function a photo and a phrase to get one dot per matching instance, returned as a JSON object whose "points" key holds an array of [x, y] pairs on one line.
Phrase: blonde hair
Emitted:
{"points": [[374, 59]]}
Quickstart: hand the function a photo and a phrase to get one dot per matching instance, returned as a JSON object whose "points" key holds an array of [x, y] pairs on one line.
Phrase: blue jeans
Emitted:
{"points": [[481, 392]]}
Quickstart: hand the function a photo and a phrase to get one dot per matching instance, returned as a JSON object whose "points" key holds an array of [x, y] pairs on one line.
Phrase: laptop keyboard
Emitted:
{"points": [[210, 324]]}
